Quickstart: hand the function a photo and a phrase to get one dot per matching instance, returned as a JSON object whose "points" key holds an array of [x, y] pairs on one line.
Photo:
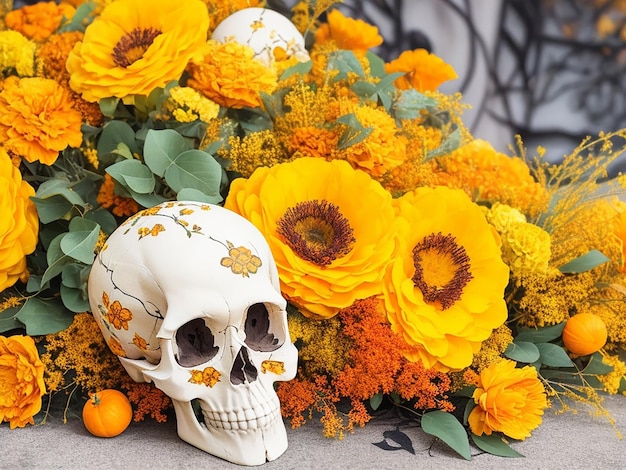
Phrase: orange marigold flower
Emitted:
{"points": [[422, 70], [348, 33], [231, 76], [487, 175], [37, 119], [40, 20], [509, 400], [312, 142], [122, 206], [21, 380], [19, 223], [135, 46], [53, 53]]}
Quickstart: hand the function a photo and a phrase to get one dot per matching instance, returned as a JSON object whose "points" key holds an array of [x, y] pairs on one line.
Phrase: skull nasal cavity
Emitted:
{"points": [[257, 328], [243, 370], [196, 343]]}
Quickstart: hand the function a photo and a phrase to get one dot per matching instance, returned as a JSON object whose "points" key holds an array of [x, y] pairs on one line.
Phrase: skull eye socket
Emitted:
{"points": [[196, 343], [257, 329]]}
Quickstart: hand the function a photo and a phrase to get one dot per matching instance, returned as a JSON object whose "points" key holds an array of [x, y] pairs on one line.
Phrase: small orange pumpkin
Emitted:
{"points": [[107, 413], [584, 333]]}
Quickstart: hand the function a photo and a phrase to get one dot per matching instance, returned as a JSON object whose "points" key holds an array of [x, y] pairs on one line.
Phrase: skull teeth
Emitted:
{"points": [[242, 420]]}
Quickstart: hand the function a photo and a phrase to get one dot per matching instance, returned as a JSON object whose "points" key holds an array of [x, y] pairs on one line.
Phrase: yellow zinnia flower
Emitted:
{"points": [[509, 400], [19, 224], [135, 46], [444, 292], [330, 228], [21, 380]]}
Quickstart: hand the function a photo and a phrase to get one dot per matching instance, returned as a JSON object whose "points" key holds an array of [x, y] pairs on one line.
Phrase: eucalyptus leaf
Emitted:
{"points": [[75, 275], [301, 68], [584, 263], [447, 428], [494, 444], [376, 400], [147, 200], [469, 406], [8, 319], [75, 300], [114, 133], [56, 259], [197, 170], [161, 149], [596, 366], [410, 104], [522, 351], [354, 133], [52, 208], [345, 62], [191, 194], [451, 143], [363, 88], [540, 335], [42, 317], [552, 355], [80, 245], [134, 175], [103, 218], [108, 106], [376, 63]]}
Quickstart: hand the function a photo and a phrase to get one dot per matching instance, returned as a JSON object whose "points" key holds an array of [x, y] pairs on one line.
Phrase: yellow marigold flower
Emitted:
{"points": [[526, 248], [18, 52], [231, 76], [331, 248], [383, 149], [21, 380], [348, 33], [37, 119], [509, 400], [40, 20], [444, 293], [422, 70], [19, 224], [187, 105], [135, 46]]}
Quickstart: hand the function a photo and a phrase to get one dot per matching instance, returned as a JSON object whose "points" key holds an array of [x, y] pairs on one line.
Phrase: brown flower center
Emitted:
{"points": [[442, 269], [316, 231], [132, 46]]}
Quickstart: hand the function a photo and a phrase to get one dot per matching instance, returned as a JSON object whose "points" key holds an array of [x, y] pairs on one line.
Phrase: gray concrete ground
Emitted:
{"points": [[562, 442]]}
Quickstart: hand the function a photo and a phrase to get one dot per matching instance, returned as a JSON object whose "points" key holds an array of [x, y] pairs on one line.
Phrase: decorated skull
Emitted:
{"points": [[187, 295]]}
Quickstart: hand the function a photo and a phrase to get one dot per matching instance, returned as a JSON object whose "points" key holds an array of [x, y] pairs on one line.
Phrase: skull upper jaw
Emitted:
{"points": [[243, 447]]}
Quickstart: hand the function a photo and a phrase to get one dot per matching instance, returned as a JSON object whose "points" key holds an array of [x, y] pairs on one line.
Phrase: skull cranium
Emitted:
{"points": [[187, 295]]}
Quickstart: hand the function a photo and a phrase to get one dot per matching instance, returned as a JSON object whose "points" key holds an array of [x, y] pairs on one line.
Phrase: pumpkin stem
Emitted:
{"points": [[95, 399]]}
